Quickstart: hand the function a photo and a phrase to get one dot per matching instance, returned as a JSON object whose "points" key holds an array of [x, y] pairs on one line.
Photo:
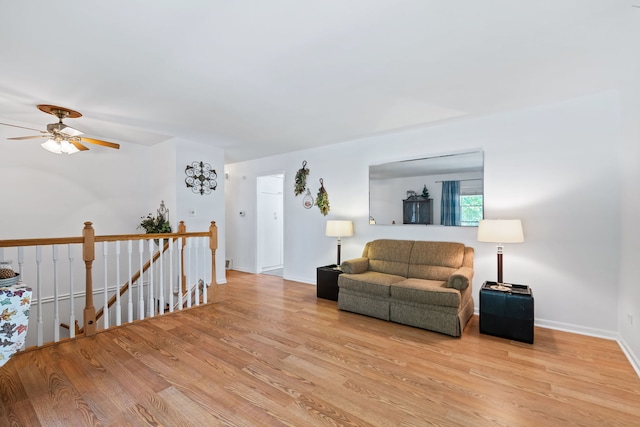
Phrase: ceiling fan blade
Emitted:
{"points": [[21, 127], [79, 146], [19, 138], [99, 142]]}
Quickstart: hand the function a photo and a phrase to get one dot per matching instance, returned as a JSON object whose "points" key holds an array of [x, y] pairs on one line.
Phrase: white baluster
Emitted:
{"points": [[140, 282], [189, 273], [21, 278], [105, 308], [170, 284], [130, 292], [205, 249], [160, 279], [197, 281], [118, 308], [150, 277], [38, 294], [20, 262], [56, 305], [72, 313], [178, 288]]}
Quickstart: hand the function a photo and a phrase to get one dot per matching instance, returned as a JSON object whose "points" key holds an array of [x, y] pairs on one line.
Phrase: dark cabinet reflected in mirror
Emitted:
{"points": [[440, 190]]}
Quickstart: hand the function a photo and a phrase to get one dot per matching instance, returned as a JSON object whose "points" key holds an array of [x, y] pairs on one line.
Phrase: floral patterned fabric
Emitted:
{"points": [[15, 302]]}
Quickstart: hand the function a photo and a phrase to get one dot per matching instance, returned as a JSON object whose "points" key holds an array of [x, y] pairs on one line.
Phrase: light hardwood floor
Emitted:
{"points": [[271, 354]]}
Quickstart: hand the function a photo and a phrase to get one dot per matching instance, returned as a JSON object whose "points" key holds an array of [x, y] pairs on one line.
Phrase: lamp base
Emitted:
{"points": [[500, 287]]}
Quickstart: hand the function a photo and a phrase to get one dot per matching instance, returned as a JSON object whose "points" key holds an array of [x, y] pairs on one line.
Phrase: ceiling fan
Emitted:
{"points": [[62, 138]]}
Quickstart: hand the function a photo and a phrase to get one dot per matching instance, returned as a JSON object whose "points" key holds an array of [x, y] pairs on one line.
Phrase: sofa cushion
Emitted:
{"points": [[435, 260], [369, 282], [389, 256], [433, 292]]}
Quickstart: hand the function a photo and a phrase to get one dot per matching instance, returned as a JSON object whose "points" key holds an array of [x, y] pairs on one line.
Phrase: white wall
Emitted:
{"points": [[629, 302], [555, 167], [207, 207], [49, 195]]}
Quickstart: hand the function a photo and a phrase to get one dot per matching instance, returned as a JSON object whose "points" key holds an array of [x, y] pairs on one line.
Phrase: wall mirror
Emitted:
{"points": [[440, 190]]}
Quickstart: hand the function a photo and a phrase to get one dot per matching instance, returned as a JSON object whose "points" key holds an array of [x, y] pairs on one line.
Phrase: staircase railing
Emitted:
{"points": [[179, 269]]}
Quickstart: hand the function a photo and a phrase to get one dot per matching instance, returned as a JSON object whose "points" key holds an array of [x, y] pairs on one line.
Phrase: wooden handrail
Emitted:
{"points": [[40, 242], [47, 241]]}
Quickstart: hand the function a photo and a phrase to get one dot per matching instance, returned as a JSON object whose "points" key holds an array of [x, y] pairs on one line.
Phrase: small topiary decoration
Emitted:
{"points": [[425, 192]]}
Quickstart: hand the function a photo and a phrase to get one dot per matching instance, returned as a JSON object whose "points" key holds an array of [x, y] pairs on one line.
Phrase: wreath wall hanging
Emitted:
{"points": [[307, 200]]}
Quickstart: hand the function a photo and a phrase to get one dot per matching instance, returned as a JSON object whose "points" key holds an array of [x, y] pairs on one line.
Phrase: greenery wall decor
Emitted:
{"points": [[322, 201], [301, 179]]}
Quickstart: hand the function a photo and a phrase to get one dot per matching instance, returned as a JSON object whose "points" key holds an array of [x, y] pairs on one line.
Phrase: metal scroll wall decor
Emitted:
{"points": [[200, 178]]}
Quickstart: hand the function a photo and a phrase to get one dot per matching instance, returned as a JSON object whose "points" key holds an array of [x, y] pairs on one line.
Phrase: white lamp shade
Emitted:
{"points": [[52, 146], [500, 231], [59, 147], [339, 228], [67, 147]]}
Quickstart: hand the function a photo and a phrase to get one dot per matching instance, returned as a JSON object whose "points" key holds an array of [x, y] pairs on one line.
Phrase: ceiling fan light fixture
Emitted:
{"points": [[63, 139], [59, 147]]}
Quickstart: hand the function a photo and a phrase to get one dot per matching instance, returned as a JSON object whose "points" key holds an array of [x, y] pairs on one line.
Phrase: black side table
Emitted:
{"points": [[507, 313], [327, 282]]}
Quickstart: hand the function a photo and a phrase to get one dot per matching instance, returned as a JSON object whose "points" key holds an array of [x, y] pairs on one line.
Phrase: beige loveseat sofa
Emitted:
{"points": [[418, 283]]}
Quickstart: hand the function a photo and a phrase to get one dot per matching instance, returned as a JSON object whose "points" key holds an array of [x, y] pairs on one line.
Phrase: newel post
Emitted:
{"points": [[88, 255], [214, 293]]}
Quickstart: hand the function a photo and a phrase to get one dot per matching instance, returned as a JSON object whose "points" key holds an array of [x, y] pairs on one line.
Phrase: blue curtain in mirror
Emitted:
{"points": [[450, 203]]}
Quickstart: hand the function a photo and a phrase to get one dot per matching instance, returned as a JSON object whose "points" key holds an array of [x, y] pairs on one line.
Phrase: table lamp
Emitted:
{"points": [[339, 229], [500, 231]]}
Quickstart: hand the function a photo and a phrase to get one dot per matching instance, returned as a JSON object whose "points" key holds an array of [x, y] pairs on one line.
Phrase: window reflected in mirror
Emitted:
{"points": [[440, 190]]}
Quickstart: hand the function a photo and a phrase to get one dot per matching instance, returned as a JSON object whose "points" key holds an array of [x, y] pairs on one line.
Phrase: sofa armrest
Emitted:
{"points": [[355, 266], [461, 278]]}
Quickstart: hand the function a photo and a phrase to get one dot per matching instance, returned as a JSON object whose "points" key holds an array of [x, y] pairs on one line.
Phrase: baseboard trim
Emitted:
{"points": [[299, 279], [577, 329], [243, 270], [635, 362]]}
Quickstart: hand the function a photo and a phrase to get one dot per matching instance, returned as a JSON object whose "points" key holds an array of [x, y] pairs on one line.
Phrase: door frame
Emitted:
{"points": [[259, 223]]}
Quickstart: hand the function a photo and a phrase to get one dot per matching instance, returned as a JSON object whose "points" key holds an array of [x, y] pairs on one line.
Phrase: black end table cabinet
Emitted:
{"points": [[327, 282], [507, 314]]}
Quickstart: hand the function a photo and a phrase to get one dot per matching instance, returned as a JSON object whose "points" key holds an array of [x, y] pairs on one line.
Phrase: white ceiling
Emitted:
{"points": [[260, 77]]}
